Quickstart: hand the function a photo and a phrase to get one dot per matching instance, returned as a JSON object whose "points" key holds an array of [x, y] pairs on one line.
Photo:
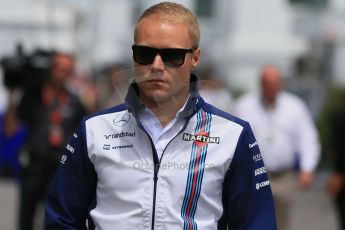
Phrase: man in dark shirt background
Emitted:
{"points": [[336, 183], [50, 114]]}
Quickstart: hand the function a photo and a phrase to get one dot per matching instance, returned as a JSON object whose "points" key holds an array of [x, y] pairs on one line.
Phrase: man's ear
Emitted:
{"points": [[196, 58]]}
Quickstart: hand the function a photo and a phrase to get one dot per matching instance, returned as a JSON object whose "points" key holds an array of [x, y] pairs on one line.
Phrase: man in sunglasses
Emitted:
{"points": [[164, 159]]}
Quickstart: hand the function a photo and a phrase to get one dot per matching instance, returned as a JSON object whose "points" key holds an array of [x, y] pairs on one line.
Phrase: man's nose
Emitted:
{"points": [[158, 63]]}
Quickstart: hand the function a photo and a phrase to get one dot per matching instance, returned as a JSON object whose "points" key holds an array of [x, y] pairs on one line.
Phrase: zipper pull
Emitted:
{"points": [[155, 177]]}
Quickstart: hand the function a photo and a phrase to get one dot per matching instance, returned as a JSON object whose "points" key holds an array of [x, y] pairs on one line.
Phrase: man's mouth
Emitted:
{"points": [[155, 80]]}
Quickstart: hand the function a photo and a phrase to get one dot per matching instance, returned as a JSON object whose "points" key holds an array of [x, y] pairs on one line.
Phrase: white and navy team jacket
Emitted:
{"points": [[211, 174]]}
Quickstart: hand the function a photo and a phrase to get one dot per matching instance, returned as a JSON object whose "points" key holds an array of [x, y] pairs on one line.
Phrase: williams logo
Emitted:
{"points": [[201, 138], [121, 119]]}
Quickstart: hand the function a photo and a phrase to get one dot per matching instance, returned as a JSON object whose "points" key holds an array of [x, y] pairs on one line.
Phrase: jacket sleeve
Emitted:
{"points": [[72, 190], [248, 200]]}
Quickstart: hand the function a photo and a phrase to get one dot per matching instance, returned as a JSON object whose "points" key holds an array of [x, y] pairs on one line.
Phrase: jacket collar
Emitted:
{"points": [[193, 104]]}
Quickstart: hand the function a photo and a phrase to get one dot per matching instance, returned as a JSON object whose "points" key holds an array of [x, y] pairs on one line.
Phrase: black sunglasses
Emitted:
{"points": [[172, 57]]}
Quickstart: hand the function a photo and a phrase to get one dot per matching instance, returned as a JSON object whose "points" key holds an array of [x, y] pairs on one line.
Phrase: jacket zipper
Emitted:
{"points": [[156, 169], [155, 179]]}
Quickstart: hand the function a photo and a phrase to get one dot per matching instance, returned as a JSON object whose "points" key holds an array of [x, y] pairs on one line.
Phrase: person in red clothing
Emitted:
{"points": [[50, 114]]}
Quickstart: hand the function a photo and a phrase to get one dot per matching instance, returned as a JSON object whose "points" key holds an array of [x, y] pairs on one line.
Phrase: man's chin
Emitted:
{"points": [[158, 98]]}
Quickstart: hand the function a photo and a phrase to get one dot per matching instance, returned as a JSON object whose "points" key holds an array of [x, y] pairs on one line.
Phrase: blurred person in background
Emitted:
{"points": [[214, 91], [164, 159], [84, 85], [336, 181], [50, 113], [112, 86], [287, 136], [12, 136]]}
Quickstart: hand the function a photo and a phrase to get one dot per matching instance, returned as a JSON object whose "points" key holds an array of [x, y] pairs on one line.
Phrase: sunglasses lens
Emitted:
{"points": [[144, 55], [173, 57]]}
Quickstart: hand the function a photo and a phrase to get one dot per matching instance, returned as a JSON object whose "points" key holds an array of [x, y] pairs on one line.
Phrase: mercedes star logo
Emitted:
{"points": [[121, 119]]}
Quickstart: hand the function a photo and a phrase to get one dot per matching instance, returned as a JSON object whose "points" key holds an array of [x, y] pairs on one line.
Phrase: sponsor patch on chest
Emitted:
{"points": [[201, 137]]}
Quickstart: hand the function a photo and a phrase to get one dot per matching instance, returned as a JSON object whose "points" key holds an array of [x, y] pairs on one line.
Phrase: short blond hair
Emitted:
{"points": [[171, 12]]}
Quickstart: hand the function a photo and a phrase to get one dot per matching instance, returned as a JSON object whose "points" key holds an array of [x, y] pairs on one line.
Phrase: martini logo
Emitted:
{"points": [[201, 138]]}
